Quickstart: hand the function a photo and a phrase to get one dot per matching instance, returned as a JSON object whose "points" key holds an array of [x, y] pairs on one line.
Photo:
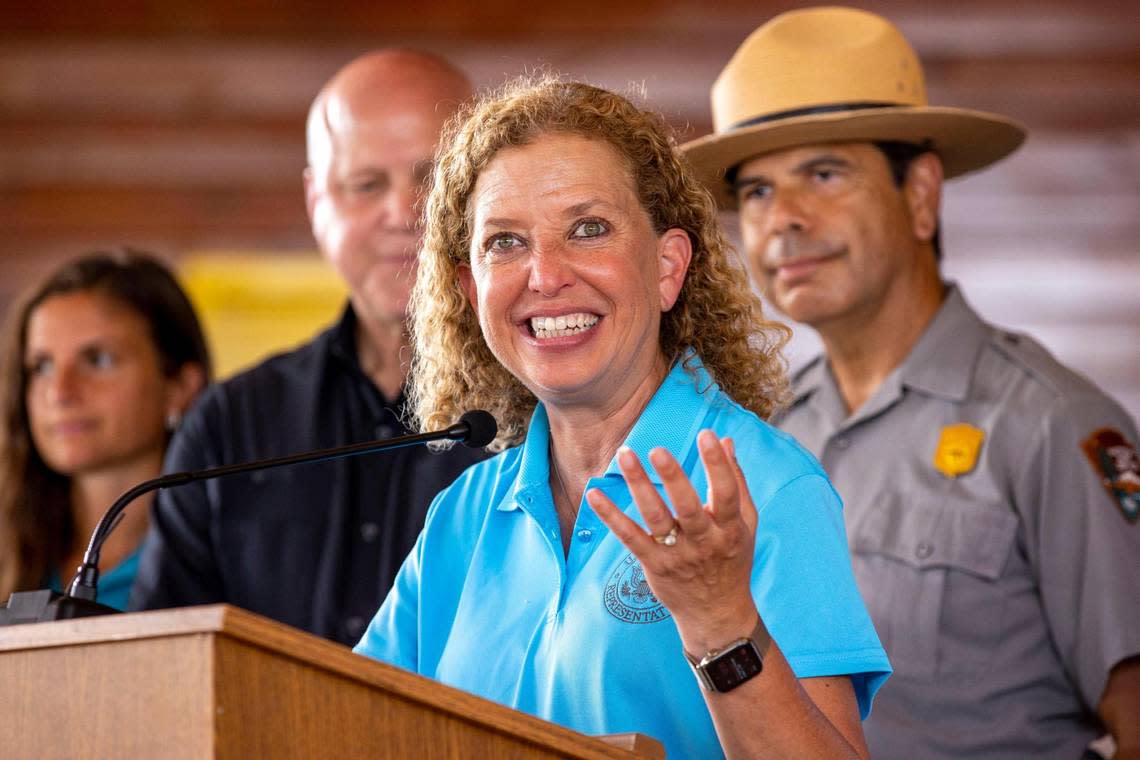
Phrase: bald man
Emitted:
{"points": [[316, 546]]}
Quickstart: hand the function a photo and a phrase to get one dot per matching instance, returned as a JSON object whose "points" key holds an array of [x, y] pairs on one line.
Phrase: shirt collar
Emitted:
{"points": [[942, 362], [809, 378], [671, 421], [340, 340], [673, 416], [342, 336], [815, 381]]}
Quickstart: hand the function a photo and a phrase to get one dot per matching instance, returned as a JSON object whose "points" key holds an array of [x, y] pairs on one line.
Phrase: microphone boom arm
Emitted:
{"points": [[472, 425]]}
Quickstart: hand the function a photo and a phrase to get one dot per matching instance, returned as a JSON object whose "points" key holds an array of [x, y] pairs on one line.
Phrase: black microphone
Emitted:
{"points": [[475, 428]]}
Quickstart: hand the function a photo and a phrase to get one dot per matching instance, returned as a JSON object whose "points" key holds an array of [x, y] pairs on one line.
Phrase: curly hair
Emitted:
{"points": [[717, 315], [36, 525]]}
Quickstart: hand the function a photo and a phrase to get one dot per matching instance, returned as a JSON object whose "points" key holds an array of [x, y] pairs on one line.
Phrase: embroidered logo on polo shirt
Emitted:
{"points": [[628, 597], [1114, 459], [958, 449]]}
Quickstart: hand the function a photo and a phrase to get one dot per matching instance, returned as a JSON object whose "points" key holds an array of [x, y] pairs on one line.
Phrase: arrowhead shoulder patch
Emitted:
{"points": [[1115, 461]]}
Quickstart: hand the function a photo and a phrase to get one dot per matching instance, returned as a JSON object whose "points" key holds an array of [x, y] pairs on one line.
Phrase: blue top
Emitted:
{"points": [[114, 585], [488, 602]]}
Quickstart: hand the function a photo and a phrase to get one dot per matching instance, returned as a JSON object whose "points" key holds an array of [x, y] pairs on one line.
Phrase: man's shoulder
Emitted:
{"points": [[1026, 372], [281, 372], [248, 407], [1039, 404], [1024, 356]]}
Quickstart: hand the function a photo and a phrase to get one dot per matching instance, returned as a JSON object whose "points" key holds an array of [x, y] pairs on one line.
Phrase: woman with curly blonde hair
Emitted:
{"points": [[574, 282], [717, 315]]}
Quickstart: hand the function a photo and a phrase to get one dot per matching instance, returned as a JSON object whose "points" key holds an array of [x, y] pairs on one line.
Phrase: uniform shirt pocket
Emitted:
{"points": [[931, 578]]}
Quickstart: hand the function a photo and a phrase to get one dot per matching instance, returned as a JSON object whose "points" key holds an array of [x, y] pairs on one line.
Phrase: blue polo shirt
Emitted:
{"points": [[488, 602]]}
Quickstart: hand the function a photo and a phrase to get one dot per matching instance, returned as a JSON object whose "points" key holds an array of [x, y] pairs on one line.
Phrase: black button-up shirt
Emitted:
{"points": [[317, 545]]}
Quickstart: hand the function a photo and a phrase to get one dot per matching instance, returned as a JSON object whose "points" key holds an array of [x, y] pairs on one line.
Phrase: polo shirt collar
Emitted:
{"points": [[671, 421], [534, 460], [673, 416]]}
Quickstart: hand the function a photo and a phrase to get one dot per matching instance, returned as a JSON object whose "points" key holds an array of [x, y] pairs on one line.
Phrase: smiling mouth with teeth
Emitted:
{"points": [[562, 325]]}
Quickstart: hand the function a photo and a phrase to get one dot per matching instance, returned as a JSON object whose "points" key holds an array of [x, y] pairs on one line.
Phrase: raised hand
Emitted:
{"points": [[697, 559]]}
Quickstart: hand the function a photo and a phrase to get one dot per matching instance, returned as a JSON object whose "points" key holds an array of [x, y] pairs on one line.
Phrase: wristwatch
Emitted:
{"points": [[726, 668]]}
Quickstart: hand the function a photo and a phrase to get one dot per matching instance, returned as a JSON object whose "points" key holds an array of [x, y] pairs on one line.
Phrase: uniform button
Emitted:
{"points": [[924, 549], [384, 430], [369, 531], [354, 626], [585, 536], [842, 443]]}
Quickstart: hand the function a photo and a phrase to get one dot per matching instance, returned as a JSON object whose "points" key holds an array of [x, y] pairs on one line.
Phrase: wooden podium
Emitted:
{"points": [[219, 682]]}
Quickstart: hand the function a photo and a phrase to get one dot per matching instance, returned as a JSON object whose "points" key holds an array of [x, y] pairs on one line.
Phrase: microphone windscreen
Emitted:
{"points": [[481, 426]]}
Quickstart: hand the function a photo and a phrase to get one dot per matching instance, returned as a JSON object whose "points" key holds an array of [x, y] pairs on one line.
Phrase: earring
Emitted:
{"points": [[173, 418]]}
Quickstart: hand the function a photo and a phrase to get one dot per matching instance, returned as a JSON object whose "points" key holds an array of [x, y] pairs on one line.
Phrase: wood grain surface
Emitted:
{"points": [[223, 683]]}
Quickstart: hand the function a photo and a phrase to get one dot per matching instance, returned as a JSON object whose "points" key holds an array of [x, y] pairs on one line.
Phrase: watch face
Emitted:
{"points": [[734, 667]]}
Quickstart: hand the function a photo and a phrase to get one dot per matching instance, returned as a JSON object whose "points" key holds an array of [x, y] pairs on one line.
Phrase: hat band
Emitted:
{"points": [[809, 111]]}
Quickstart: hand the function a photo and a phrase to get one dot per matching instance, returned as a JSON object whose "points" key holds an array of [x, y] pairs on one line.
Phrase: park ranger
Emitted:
{"points": [[992, 495]]}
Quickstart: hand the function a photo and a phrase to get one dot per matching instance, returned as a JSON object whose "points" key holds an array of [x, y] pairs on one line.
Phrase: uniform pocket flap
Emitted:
{"points": [[959, 535]]}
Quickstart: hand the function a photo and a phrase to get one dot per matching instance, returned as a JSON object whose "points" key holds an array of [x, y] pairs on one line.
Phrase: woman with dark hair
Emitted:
{"points": [[100, 362]]}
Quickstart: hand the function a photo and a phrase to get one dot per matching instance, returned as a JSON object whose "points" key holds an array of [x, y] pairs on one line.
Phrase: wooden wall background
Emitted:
{"points": [[178, 126]]}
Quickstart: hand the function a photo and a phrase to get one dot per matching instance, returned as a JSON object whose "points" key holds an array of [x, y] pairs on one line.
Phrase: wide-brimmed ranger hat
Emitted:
{"points": [[823, 75]]}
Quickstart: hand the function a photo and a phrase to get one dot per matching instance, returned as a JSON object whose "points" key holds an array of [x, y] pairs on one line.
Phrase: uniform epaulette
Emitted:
{"points": [[1036, 360]]}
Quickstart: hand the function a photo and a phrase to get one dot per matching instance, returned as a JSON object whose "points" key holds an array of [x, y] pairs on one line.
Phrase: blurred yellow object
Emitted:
{"points": [[253, 305], [958, 448]]}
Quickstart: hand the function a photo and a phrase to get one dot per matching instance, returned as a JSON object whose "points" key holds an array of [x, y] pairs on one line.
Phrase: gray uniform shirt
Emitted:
{"points": [[1002, 582]]}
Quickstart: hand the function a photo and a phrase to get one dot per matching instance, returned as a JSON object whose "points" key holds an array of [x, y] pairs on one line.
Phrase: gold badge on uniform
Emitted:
{"points": [[958, 449], [1115, 460]]}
